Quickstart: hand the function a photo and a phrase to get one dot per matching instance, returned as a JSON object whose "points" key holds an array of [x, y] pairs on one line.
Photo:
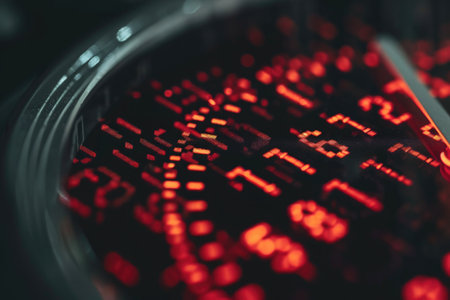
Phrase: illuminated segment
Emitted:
{"points": [[172, 106], [125, 158], [202, 94], [100, 200], [388, 171], [195, 186], [128, 126], [286, 256], [186, 130], [114, 183], [195, 206], [292, 160], [151, 180], [426, 130], [201, 151], [346, 120], [111, 131], [414, 153], [317, 221], [386, 109], [269, 188], [294, 97], [151, 146], [370, 202], [88, 151], [319, 146], [232, 108], [264, 77], [201, 227], [249, 97], [218, 122], [195, 167], [122, 269]]}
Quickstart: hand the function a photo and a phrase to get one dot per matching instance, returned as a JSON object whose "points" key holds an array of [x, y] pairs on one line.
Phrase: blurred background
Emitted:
{"points": [[34, 34]]}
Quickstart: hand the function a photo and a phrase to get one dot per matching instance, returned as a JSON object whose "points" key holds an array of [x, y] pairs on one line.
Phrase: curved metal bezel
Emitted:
{"points": [[39, 145]]}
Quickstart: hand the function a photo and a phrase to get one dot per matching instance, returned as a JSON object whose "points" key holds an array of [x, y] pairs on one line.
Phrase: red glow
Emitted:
{"points": [[88, 151], [319, 223], [317, 69], [125, 158], [414, 153], [152, 147], [424, 288], [286, 256], [247, 60], [292, 160], [252, 236], [211, 251], [227, 274], [370, 202], [388, 171], [292, 76], [264, 77], [445, 160], [371, 59], [343, 64], [346, 120], [168, 93], [293, 96], [319, 146], [202, 76], [426, 130], [249, 97], [250, 292], [122, 269], [168, 104], [195, 186], [232, 108], [401, 86], [386, 109], [111, 131], [202, 227], [269, 188], [286, 25]]}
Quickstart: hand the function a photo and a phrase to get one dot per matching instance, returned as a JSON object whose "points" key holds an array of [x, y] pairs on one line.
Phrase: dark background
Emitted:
{"points": [[35, 33], [34, 36]]}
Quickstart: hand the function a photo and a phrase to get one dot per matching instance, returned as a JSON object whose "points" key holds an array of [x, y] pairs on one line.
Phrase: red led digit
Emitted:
{"points": [[319, 146], [386, 109]]}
